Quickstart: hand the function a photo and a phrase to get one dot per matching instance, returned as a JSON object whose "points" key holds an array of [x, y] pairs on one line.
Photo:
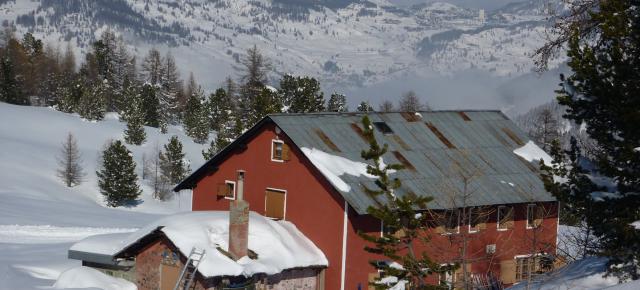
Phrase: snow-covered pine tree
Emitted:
{"points": [[69, 162], [173, 165], [301, 94], [545, 129], [92, 105], [603, 93], [117, 177], [337, 103], [219, 109], [364, 106], [134, 115], [152, 68], [405, 214], [223, 138], [195, 120]]}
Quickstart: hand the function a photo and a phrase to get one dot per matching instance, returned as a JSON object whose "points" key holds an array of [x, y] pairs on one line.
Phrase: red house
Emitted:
{"points": [[307, 169]]}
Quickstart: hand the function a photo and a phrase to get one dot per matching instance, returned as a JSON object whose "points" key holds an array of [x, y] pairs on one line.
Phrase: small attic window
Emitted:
{"points": [[383, 127]]}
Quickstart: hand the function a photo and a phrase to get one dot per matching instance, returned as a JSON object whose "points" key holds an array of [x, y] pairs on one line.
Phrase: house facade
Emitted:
{"points": [[306, 169]]}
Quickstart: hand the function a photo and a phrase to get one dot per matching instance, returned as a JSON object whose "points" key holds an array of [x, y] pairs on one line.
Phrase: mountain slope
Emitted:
{"points": [[344, 43]]}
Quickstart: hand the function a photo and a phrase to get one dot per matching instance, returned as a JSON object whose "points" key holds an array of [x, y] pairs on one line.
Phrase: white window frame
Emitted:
{"points": [[449, 278], [471, 219], [273, 141], [284, 215], [457, 225], [531, 226], [227, 182], [498, 219]]}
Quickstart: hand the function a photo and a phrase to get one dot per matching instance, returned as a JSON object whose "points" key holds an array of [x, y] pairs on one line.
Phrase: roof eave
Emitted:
{"points": [[210, 166]]}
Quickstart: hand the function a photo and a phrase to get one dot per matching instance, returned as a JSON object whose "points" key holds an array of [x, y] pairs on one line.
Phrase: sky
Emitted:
{"points": [[478, 4]]}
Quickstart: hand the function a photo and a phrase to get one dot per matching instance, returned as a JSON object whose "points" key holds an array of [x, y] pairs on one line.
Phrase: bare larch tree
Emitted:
{"points": [[69, 162]]}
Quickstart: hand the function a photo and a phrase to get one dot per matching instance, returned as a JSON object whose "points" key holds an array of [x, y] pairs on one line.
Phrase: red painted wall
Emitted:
{"points": [[311, 203], [317, 210]]}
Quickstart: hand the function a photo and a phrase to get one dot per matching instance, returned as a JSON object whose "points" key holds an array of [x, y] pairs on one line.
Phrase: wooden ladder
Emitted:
{"points": [[188, 273]]}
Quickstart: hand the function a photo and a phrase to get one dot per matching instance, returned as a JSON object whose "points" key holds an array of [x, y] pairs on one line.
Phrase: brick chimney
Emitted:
{"points": [[239, 222]]}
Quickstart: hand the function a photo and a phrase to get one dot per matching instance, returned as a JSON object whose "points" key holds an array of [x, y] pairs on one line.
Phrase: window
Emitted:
{"points": [[478, 218], [530, 266], [383, 127], [452, 222], [276, 150], [505, 218], [474, 220], [534, 216], [275, 203], [227, 190]]}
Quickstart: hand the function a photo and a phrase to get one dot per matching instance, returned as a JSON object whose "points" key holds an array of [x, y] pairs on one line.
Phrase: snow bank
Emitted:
{"points": [[583, 274], [636, 225], [51, 234], [332, 167], [633, 285], [531, 152], [279, 244], [85, 277]]}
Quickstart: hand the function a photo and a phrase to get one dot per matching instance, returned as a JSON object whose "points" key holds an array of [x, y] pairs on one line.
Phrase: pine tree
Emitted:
{"points": [[223, 138], [117, 178], [196, 121], [404, 214], [10, 87], [219, 108], [173, 165], [134, 115], [546, 129], [69, 95], [267, 102], [364, 107], [92, 105], [151, 105], [337, 103], [69, 162], [603, 93], [301, 94], [152, 68]]}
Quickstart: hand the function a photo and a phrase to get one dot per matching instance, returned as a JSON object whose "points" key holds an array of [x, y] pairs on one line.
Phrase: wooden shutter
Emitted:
{"points": [[539, 216], [508, 271], [285, 152], [509, 218], [372, 279], [274, 203], [168, 276], [223, 190]]}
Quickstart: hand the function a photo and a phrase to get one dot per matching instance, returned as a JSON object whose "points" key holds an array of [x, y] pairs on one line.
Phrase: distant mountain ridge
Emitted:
{"points": [[342, 42]]}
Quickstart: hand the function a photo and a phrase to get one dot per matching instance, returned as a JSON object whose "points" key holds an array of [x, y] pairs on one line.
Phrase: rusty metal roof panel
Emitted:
{"points": [[482, 146]]}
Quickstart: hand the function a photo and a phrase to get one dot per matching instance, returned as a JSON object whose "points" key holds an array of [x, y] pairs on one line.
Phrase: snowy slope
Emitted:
{"points": [[39, 216]]}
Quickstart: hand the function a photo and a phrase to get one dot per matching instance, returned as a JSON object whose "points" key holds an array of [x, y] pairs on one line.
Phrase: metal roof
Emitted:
{"points": [[440, 149]]}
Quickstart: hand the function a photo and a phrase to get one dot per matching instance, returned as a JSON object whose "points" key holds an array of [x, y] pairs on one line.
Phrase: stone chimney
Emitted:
{"points": [[239, 222]]}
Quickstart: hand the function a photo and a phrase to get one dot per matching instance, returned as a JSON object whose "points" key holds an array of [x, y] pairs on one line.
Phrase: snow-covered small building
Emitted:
{"points": [[263, 253]]}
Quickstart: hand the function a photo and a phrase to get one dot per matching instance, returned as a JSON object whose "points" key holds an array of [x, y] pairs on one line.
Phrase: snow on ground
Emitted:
{"points": [[636, 225], [278, 244], [583, 274], [39, 216], [85, 277], [531, 152]]}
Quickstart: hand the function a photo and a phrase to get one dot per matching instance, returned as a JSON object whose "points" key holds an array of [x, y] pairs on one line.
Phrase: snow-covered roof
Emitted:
{"points": [[279, 245]]}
